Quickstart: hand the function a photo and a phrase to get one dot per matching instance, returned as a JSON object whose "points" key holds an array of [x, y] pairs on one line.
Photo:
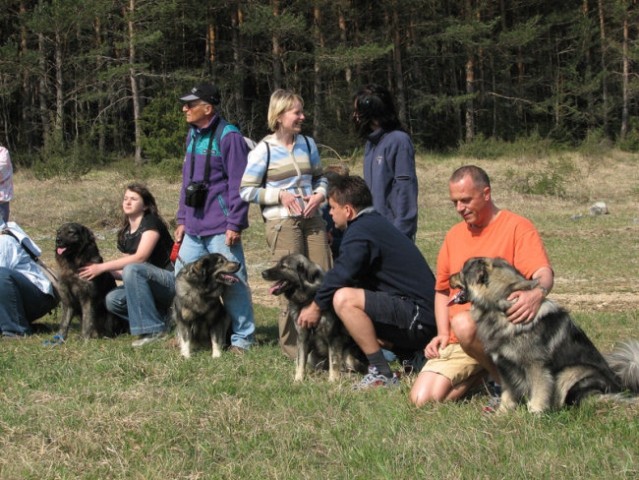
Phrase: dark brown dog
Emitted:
{"points": [[76, 247], [298, 279]]}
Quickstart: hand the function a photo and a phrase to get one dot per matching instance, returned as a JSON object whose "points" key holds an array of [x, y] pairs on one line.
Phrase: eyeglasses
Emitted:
{"points": [[192, 104]]}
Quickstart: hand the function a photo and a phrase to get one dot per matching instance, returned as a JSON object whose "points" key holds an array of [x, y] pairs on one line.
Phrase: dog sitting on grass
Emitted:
{"points": [[200, 316], [297, 278], [549, 362]]}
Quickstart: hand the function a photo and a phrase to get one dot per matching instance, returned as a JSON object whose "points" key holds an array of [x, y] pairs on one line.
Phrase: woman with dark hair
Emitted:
{"points": [[389, 157], [148, 287]]}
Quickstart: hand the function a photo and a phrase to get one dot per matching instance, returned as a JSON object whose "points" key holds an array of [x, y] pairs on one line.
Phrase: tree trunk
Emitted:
{"points": [[97, 30], [470, 105], [42, 93], [470, 82], [317, 80], [604, 68], [400, 89], [239, 105], [276, 50], [135, 94], [210, 47], [625, 77], [58, 121]]}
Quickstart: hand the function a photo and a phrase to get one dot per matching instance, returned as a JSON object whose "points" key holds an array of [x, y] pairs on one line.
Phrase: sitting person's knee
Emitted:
{"points": [[464, 327], [419, 397], [342, 298], [131, 270]]}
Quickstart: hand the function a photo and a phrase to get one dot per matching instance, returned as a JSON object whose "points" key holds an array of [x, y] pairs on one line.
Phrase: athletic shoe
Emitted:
{"points": [[148, 338], [235, 350], [374, 379], [494, 400]]}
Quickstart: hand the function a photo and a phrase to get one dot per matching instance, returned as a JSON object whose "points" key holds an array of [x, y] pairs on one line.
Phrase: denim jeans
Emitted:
{"points": [[236, 297], [144, 299], [21, 302], [5, 208]]}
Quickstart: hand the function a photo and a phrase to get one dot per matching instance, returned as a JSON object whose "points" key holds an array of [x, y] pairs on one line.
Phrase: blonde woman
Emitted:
{"points": [[284, 176]]}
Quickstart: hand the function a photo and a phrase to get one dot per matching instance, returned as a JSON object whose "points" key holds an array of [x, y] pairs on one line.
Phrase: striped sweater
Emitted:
{"points": [[298, 171]]}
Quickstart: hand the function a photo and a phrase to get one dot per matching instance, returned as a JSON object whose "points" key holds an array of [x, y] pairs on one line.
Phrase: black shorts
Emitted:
{"points": [[399, 320]]}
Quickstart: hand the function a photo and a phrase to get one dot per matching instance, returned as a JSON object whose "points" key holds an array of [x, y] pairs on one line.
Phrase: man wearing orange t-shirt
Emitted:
{"points": [[456, 358]]}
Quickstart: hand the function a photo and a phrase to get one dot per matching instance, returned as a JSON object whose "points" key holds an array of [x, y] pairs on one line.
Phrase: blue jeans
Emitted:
{"points": [[144, 299], [237, 297], [4, 211], [21, 302]]}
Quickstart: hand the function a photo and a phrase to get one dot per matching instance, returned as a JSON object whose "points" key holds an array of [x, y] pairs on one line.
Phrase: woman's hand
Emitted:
{"points": [[292, 202], [313, 202], [89, 272]]}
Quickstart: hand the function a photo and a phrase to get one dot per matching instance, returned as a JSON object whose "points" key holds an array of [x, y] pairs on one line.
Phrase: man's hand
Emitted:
{"points": [[309, 316], [435, 345], [526, 305], [233, 237], [179, 233]]}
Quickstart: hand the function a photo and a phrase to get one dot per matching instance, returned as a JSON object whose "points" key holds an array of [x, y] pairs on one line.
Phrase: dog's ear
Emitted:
{"points": [[88, 235], [309, 272], [206, 266], [476, 271]]}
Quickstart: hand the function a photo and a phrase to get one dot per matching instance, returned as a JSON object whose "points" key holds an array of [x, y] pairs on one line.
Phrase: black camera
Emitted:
{"points": [[195, 194]]}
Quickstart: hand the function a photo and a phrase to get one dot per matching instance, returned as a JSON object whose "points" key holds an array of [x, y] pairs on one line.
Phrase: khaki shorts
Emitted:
{"points": [[454, 364]]}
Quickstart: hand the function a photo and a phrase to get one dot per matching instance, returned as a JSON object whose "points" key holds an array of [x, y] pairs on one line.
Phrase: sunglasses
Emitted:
{"points": [[192, 104]]}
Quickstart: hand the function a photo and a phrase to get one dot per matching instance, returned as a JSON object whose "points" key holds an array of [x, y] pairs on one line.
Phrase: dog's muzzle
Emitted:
{"points": [[459, 298]]}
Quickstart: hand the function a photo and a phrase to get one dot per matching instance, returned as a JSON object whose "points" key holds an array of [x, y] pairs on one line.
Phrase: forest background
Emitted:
{"points": [[83, 82]]}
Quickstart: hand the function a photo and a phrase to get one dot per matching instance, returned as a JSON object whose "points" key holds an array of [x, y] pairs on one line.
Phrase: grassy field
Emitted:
{"points": [[102, 410]]}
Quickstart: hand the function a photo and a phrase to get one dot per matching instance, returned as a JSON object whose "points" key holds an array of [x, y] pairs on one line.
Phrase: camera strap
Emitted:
{"points": [[209, 150]]}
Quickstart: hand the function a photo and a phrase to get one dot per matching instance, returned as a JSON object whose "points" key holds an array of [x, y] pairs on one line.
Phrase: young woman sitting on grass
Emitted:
{"points": [[148, 287]]}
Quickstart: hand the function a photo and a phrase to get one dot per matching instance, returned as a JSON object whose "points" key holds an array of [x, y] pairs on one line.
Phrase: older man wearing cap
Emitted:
{"points": [[211, 215]]}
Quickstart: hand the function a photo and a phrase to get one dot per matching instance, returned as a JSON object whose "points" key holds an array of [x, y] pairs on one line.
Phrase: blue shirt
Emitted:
{"points": [[389, 172], [376, 256]]}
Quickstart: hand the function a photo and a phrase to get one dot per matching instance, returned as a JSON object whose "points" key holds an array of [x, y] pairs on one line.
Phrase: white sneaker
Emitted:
{"points": [[148, 338]]}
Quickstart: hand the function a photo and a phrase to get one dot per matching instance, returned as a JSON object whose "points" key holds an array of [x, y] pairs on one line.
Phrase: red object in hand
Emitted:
{"points": [[175, 251]]}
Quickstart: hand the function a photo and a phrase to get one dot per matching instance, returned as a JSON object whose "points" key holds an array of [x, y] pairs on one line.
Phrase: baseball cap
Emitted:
{"points": [[206, 92]]}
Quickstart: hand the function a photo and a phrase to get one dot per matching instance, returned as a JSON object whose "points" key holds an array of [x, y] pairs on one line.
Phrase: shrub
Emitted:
{"points": [[551, 180], [68, 163]]}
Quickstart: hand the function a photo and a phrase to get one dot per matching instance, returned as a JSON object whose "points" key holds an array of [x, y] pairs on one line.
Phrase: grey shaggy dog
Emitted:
{"points": [[198, 312], [75, 247], [549, 362], [297, 278]]}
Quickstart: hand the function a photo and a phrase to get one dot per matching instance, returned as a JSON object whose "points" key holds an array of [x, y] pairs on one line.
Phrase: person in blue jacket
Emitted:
{"points": [[389, 157], [381, 287], [211, 215]]}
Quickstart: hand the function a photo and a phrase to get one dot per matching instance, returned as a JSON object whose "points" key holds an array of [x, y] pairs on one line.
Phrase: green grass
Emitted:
{"points": [[100, 409]]}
